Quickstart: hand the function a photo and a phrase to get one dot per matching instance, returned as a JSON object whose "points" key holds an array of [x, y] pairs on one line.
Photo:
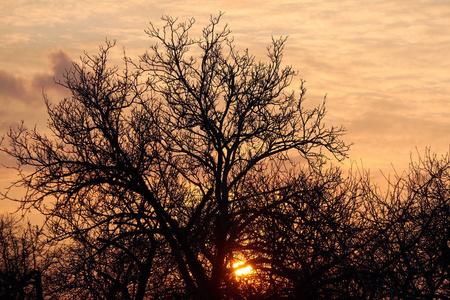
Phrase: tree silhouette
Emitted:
{"points": [[152, 169], [410, 256], [222, 118], [159, 178], [23, 260]]}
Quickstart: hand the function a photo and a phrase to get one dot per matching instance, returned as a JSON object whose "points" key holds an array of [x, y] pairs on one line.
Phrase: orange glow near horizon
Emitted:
{"points": [[245, 270]]}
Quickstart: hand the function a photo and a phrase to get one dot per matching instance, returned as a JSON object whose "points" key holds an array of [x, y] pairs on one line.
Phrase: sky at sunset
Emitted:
{"points": [[384, 64]]}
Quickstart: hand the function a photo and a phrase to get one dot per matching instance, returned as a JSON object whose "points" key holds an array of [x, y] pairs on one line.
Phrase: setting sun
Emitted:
{"points": [[244, 270]]}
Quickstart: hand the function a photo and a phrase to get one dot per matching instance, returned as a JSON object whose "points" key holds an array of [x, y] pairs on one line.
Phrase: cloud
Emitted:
{"points": [[384, 64], [11, 86], [20, 89], [59, 64], [21, 98], [16, 38]]}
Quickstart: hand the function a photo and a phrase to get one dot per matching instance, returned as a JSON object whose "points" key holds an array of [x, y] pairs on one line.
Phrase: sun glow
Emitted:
{"points": [[244, 270]]}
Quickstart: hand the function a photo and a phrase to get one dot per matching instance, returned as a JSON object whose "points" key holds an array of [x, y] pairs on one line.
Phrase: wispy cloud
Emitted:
{"points": [[383, 64]]}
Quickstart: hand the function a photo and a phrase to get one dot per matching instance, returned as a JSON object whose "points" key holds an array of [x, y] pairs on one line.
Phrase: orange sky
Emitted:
{"points": [[384, 64]]}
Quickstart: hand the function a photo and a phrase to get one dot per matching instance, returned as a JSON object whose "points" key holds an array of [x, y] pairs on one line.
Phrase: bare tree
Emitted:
{"points": [[410, 257], [22, 260], [225, 115], [162, 154], [306, 238], [102, 143]]}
